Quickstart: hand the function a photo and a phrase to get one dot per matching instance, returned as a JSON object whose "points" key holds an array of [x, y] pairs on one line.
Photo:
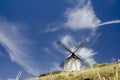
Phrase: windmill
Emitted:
{"points": [[73, 62]]}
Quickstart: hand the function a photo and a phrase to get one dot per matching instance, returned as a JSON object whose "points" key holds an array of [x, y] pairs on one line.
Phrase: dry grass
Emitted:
{"points": [[109, 71]]}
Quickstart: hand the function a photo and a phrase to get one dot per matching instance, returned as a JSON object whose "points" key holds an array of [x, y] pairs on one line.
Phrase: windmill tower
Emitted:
{"points": [[73, 62]]}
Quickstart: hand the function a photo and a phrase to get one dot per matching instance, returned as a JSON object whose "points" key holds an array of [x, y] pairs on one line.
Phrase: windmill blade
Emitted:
{"points": [[82, 43], [60, 43], [84, 62]]}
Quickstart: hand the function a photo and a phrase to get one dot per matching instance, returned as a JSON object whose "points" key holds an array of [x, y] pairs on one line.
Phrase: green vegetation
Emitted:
{"points": [[109, 71]]}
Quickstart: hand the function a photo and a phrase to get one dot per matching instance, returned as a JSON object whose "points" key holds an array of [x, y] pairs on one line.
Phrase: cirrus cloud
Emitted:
{"points": [[17, 46]]}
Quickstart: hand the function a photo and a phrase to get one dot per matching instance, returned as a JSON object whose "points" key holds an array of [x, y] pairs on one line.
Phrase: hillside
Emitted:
{"points": [[108, 71]]}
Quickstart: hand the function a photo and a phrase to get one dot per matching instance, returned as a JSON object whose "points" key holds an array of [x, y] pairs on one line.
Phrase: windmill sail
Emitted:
{"points": [[65, 47], [81, 45], [84, 62]]}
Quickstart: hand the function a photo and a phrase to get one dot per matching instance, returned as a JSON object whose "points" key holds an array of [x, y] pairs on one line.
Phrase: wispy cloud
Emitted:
{"points": [[87, 54], [46, 50], [52, 29], [82, 16], [56, 67], [67, 40], [17, 46]]}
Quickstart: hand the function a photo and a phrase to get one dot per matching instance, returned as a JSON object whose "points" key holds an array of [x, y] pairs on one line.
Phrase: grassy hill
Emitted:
{"points": [[108, 71]]}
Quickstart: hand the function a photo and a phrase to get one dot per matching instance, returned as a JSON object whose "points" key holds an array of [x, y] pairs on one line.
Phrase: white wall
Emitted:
{"points": [[71, 64]]}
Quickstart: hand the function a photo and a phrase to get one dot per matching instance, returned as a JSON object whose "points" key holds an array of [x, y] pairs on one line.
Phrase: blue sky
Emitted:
{"points": [[29, 30]]}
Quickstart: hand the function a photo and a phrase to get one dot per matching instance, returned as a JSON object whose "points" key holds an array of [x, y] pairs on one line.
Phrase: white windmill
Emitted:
{"points": [[73, 62]]}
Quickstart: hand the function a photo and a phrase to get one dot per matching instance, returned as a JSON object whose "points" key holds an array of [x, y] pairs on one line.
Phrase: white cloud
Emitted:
{"points": [[82, 16], [67, 40], [17, 47], [87, 54]]}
